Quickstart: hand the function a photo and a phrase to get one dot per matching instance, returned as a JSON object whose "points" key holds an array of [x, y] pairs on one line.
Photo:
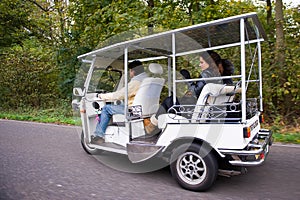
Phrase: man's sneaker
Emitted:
{"points": [[97, 140]]}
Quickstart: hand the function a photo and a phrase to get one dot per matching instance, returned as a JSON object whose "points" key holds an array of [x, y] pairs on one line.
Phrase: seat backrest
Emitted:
{"points": [[213, 94], [155, 69], [149, 91], [148, 95]]}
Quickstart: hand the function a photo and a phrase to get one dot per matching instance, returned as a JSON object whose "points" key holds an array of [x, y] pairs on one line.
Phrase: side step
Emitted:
{"points": [[111, 147], [140, 151]]}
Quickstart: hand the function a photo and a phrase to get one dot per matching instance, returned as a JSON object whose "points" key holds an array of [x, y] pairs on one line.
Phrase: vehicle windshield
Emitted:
{"points": [[104, 80], [81, 75]]}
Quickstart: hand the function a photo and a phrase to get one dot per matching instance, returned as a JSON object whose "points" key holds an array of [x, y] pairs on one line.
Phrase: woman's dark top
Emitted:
{"points": [[197, 87]]}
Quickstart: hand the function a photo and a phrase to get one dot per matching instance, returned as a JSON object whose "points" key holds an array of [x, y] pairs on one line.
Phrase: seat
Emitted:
{"points": [[148, 94], [213, 94]]}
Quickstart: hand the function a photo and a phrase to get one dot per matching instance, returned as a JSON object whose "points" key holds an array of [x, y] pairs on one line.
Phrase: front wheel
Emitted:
{"points": [[87, 148], [194, 167]]}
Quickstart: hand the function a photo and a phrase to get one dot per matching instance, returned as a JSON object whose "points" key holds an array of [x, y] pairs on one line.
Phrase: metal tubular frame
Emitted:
{"points": [[243, 68]]}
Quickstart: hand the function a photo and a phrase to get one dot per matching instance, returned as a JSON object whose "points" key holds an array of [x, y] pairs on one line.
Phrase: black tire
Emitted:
{"points": [[194, 167], [87, 148]]}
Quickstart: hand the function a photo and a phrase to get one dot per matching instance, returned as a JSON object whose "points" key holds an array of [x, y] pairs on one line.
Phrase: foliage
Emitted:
{"points": [[281, 85], [221, 9], [285, 135], [27, 77], [58, 114], [12, 22], [39, 45]]}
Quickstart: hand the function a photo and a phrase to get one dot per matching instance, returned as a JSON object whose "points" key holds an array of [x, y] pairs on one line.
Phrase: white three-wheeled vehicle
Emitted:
{"points": [[219, 134]]}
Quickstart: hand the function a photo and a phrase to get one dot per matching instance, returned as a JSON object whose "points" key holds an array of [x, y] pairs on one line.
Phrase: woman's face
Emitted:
{"points": [[203, 64]]}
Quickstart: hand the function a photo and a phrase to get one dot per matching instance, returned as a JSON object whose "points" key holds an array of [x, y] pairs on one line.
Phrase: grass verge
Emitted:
{"points": [[287, 137], [56, 116]]}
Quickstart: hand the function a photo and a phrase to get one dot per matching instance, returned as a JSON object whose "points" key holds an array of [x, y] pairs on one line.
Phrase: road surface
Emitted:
{"points": [[46, 161]]}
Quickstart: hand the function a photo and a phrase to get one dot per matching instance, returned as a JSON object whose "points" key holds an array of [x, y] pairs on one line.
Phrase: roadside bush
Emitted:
{"points": [[28, 78]]}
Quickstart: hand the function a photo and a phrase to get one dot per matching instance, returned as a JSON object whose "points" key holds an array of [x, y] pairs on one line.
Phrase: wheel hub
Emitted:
{"points": [[191, 167]]}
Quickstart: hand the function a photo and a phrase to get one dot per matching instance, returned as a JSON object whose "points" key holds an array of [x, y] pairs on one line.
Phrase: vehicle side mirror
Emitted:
{"points": [[77, 92]]}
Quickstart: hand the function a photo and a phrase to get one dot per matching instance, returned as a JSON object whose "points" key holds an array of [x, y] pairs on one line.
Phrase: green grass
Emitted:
{"points": [[66, 116], [287, 137], [285, 134], [56, 116]]}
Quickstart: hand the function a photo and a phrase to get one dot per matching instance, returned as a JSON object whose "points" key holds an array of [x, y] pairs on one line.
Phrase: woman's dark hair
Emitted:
{"points": [[137, 66], [210, 61], [228, 68], [215, 56]]}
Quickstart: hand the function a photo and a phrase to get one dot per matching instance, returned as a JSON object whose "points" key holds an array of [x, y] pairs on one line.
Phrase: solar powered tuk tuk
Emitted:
{"points": [[218, 134]]}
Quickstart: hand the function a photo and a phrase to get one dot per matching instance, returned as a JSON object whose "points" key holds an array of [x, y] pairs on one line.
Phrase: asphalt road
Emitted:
{"points": [[44, 161]]}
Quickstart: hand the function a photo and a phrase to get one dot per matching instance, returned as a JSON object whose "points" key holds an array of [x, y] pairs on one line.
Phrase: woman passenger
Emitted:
{"points": [[226, 68], [209, 69]]}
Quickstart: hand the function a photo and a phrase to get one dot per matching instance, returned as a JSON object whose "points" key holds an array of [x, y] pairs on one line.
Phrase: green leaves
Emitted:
{"points": [[27, 77]]}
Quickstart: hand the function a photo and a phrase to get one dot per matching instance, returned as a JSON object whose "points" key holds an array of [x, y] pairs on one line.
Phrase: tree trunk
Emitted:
{"points": [[283, 98], [269, 11], [150, 15], [280, 43]]}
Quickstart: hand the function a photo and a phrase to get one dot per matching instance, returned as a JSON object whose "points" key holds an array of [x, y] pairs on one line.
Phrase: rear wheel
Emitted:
{"points": [[194, 167], [87, 148]]}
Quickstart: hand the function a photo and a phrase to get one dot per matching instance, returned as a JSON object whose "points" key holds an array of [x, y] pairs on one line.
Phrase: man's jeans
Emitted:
{"points": [[106, 114]]}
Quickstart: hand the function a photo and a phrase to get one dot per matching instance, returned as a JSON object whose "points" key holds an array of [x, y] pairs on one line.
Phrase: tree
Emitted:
{"points": [[28, 77], [150, 15], [269, 11], [280, 42], [281, 58], [14, 26]]}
